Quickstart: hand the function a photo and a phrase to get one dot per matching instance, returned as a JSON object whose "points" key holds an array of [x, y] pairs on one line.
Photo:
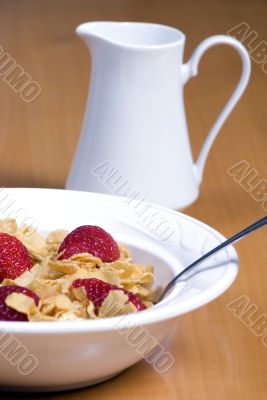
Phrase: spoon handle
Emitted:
{"points": [[258, 224]]}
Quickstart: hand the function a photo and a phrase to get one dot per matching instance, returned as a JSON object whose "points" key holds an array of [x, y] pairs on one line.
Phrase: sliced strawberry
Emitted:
{"points": [[14, 257], [8, 313], [90, 239], [98, 290]]}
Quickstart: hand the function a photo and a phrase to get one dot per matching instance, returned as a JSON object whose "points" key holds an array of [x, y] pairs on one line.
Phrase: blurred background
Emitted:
{"points": [[38, 139]]}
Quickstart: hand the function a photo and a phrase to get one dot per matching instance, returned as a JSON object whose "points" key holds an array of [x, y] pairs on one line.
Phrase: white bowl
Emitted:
{"points": [[65, 355]]}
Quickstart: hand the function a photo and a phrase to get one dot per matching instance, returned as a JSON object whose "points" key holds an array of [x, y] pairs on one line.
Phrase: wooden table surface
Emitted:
{"points": [[218, 354]]}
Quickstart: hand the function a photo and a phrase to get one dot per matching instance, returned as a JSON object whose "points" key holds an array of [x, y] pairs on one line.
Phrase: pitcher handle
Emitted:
{"points": [[190, 69]]}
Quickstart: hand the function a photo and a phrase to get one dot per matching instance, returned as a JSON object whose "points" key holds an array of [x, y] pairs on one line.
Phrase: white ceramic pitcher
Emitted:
{"points": [[134, 141]]}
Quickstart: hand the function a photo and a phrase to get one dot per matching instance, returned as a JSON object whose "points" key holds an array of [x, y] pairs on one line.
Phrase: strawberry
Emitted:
{"points": [[98, 290], [89, 239], [8, 313], [14, 257]]}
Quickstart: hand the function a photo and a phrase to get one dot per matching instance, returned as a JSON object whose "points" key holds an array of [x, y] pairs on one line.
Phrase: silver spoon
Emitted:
{"points": [[258, 224]]}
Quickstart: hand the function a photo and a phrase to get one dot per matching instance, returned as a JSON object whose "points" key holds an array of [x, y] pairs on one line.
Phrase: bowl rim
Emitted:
{"points": [[152, 315]]}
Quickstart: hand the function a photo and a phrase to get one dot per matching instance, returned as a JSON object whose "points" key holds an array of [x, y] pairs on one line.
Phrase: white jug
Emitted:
{"points": [[134, 141]]}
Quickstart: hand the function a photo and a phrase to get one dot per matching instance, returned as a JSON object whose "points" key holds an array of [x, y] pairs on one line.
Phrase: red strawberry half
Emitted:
{"points": [[8, 313], [90, 239], [14, 257], [98, 290]]}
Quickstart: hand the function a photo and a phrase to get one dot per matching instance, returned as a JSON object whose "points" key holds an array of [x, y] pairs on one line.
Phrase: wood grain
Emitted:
{"points": [[217, 356]]}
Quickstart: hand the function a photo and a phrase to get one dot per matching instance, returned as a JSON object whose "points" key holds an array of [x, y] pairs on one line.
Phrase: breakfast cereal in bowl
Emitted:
{"points": [[85, 309], [82, 274]]}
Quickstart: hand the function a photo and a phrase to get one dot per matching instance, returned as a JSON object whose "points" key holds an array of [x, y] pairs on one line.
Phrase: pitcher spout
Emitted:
{"points": [[93, 30], [91, 33]]}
